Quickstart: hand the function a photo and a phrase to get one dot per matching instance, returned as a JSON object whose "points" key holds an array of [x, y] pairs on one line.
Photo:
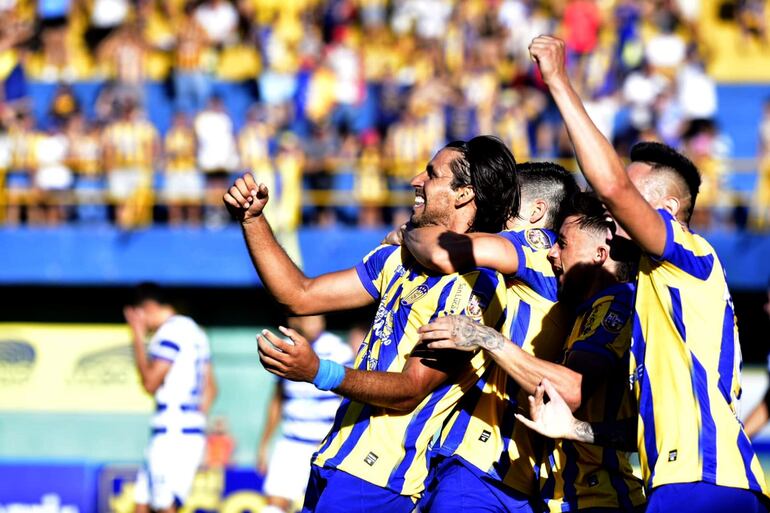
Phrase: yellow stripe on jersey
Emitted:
{"points": [[685, 369], [482, 430], [381, 446], [576, 475]]}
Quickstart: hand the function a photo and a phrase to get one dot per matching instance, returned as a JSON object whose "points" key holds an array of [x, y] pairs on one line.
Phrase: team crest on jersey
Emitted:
{"points": [[415, 295], [613, 322], [474, 310], [537, 238]]}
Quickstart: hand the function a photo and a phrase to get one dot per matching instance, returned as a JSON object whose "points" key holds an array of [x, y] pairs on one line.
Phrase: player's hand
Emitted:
{"points": [[459, 332], [548, 53], [395, 237], [553, 419], [246, 199], [295, 360], [136, 321]]}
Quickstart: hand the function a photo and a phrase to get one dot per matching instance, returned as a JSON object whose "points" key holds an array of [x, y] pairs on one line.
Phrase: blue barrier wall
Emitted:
{"points": [[194, 257], [201, 257]]}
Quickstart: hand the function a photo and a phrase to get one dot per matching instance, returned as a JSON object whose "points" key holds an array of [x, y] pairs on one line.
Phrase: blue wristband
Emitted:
{"points": [[330, 375]]}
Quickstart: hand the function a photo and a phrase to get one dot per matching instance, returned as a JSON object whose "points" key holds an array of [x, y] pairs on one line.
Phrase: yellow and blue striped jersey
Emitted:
{"points": [[578, 476], [385, 447], [482, 431], [685, 369]]}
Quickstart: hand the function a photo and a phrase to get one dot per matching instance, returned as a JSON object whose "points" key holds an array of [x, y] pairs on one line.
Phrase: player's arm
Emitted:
{"points": [[271, 424], [758, 416], [554, 419], [210, 389], [297, 293], [152, 371], [447, 252], [458, 332], [400, 391], [597, 158]]}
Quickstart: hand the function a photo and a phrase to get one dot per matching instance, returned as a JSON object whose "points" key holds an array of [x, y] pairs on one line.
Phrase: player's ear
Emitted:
{"points": [[538, 210], [464, 195], [672, 204], [602, 252]]}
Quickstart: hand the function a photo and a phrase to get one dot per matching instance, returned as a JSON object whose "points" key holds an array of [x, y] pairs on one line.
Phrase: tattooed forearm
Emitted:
{"points": [[466, 333], [583, 432]]}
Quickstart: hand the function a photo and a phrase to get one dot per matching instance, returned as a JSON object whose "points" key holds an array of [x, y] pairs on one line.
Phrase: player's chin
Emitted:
{"points": [[418, 217]]}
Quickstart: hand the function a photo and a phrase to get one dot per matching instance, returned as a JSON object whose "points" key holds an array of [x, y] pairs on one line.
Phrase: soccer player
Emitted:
{"points": [[574, 477], [685, 356], [307, 414], [481, 443], [375, 454], [178, 373]]}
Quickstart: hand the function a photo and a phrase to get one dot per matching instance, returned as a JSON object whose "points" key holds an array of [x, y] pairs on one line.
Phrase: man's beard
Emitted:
{"points": [[429, 218]]}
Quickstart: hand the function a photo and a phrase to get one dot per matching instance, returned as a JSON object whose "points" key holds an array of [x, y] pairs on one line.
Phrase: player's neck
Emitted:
{"points": [[602, 280], [517, 224]]}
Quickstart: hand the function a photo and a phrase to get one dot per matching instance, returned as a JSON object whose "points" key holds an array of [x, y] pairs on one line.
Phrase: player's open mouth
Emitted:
{"points": [[419, 200]]}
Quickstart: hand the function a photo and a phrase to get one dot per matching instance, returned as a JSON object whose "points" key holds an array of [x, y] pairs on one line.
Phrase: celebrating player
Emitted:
{"points": [[178, 373], [482, 450], [307, 415], [390, 396], [685, 356], [575, 477]]}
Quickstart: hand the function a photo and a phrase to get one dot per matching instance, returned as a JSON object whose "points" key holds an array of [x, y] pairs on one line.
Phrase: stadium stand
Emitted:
{"points": [[348, 83]]}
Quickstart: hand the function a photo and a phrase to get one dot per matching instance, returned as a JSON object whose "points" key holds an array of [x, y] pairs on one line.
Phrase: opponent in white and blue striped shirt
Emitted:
{"points": [[305, 414], [177, 372]]}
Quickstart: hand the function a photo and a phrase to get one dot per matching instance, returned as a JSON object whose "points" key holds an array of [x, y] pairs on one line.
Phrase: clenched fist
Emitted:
{"points": [[548, 53], [246, 199]]}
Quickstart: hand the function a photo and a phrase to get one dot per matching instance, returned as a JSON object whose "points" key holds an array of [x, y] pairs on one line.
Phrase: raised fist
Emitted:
{"points": [[246, 199], [548, 53]]}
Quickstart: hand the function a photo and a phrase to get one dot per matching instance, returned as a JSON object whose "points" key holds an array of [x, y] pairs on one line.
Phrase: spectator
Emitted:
{"points": [[19, 180], [217, 155], [192, 64], [85, 159], [219, 445], [131, 149], [183, 187], [53, 179], [123, 59]]}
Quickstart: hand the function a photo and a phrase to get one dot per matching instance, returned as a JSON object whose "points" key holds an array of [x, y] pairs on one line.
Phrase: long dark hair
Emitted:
{"points": [[488, 166]]}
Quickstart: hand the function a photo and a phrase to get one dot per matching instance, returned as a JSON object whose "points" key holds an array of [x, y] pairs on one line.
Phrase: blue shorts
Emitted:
{"points": [[333, 491], [703, 498], [458, 486]]}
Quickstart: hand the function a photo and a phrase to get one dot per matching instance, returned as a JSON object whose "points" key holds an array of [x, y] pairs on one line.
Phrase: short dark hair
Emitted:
{"points": [[663, 157], [590, 211], [149, 291], [593, 216], [488, 166], [548, 181]]}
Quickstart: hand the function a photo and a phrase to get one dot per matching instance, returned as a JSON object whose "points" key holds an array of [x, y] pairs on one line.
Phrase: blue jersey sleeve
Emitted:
{"points": [[370, 269]]}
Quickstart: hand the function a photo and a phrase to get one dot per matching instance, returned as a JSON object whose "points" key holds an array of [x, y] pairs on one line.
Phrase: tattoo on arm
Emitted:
{"points": [[584, 432], [467, 333]]}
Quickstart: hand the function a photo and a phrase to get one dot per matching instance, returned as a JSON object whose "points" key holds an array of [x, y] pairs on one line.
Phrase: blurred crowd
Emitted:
{"points": [[350, 98]]}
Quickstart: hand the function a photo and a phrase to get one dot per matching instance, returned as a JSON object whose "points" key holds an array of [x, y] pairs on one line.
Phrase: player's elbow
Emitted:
{"points": [[151, 386], [406, 404], [296, 308]]}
